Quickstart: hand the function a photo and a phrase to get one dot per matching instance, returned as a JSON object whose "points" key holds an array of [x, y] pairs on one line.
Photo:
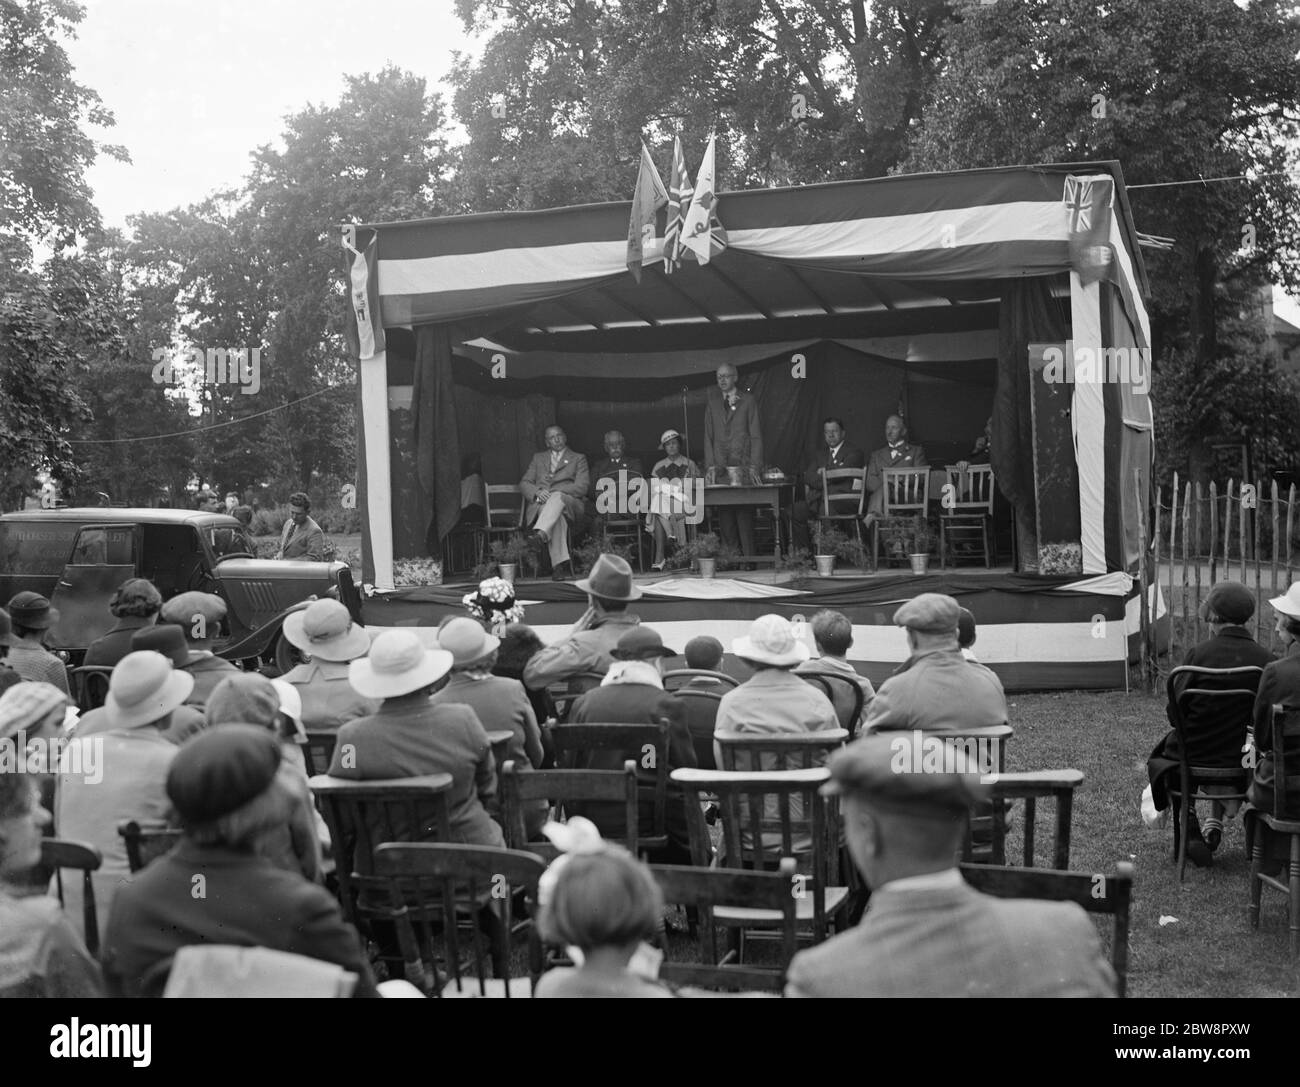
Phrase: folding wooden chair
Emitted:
{"points": [[843, 693], [431, 884], [966, 512], [1095, 892], [708, 888], [678, 678], [318, 751], [90, 686], [1285, 754], [146, 842], [905, 493], [562, 788], [505, 513], [567, 692], [844, 505], [1029, 787], [747, 752], [58, 854]]}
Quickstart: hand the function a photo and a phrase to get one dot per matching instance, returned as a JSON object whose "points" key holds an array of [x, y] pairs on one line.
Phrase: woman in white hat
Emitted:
{"points": [[1280, 683], [325, 632], [121, 773], [666, 517], [409, 736]]}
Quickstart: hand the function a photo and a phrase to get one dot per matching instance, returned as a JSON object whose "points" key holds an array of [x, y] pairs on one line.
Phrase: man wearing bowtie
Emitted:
{"points": [[616, 459], [554, 487], [897, 453], [835, 453]]}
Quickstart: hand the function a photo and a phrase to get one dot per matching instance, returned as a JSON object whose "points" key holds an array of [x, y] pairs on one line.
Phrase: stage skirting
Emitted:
{"points": [[1036, 633]]}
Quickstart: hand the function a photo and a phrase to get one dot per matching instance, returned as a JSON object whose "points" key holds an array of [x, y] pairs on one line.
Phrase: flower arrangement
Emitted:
{"points": [[494, 602], [417, 571]]}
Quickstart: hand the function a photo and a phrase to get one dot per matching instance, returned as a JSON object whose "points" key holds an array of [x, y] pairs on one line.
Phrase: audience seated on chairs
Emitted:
{"points": [[500, 703], [41, 954], [135, 605], [199, 615], [1279, 684], [603, 904], [31, 617], [1215, 738], [33, 711], [926, 932], [409, 737], [591, 642], [936, 688], [121, 773], [833, 636], [966, 633], [773, 700], [226, 787], [252, 699], [185, 721], [324, 630], [633, 694]]}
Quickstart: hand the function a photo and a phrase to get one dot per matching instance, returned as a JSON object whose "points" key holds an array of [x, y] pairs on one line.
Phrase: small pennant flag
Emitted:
{"points": [[1087, 204], [679, 199], [649, 197], [362, 330], [702, 233]]}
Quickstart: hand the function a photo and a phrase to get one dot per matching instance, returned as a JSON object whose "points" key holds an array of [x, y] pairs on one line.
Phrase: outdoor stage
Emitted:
{"points": [[1036, 633]]}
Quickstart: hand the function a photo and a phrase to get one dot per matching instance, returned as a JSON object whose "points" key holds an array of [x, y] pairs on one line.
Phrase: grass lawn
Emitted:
{"points": [[1210, 949]]}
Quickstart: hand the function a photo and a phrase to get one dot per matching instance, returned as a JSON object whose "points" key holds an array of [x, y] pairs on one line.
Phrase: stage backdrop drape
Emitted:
{"points": [[437, 436]]}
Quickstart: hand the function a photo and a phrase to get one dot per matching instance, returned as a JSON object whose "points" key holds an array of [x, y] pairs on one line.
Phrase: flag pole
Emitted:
{"points": [[686, 430]]}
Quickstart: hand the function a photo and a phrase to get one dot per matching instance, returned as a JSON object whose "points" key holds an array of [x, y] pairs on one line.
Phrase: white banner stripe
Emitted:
{"points": [[1088, 420]]}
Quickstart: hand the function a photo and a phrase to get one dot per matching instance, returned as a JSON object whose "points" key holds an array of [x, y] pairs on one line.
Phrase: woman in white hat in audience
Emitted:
{"points": [[498, 702], [325, 632], [666, 517], [409, 736], [119, 774], [1280, 683]]}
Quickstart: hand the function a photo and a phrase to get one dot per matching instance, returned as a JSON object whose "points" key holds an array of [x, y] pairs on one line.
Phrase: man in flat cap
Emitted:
{"points": [[937, 689], [199, 616], [1216, 727], [926, 932]]}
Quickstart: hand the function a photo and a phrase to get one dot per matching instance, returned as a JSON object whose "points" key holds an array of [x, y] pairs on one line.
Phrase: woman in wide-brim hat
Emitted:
{"points": [[325, 632], [668, 495]]}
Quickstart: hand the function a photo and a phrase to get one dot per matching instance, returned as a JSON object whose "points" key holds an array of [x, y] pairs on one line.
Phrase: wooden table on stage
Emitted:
{"points": [[767, 494]]}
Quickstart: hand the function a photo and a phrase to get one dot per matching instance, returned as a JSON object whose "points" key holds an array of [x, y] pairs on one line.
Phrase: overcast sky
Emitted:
{"points": [[197, 85]]}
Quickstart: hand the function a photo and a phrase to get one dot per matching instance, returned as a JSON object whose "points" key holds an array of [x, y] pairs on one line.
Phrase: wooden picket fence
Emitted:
{"points": [[1201, 535]]}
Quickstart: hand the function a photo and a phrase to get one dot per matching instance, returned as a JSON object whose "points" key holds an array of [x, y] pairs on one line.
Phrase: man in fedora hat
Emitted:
{"points": [[633, 693], [926, 932], [554, 486], [199, 615], [226, 789], [135, 606], [498, 702], [130, 760], [324, 630], [301, 537], [32, 617], [1216, 733], [590, 644], [938, 689], [408, 736], [185, 721]]}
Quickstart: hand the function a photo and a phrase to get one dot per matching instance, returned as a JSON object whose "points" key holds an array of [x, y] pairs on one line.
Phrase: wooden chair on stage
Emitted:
{"points": [[505, 514], [905, 493], [845, 506], [966, 513]]}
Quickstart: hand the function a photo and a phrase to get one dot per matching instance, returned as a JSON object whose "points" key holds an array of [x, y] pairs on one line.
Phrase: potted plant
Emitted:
{"points": [[511, 553], [703, 550], [920, 538], [827, 544], [797, 561]]}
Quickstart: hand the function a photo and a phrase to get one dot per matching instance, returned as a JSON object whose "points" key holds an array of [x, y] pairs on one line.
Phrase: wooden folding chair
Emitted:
{"points": [[318, 751], [567, 692], [146, 842], [1095, 892], [58, 854], [966, 512], [747, 752], [678, 678], [431, 884], [1029, 787], [1286, 786], [905, 493], [1219, 692], [562, 788], [701, 720], [843, 693], [645, 745], [708, 888], [90, 686], [844, 505], [504, 513]]}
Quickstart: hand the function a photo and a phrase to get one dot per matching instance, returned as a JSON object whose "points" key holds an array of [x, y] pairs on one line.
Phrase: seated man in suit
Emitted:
{"points": [[1214, 737], [897, 453], [554, 486], [926, 932], [836, 453], [616, 459]]}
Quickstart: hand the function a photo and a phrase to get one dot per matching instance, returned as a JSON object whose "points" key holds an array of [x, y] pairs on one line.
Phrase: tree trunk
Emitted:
{"points": [[1204, 329]]}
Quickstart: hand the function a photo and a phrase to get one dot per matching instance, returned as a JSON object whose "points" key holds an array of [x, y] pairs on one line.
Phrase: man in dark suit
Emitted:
{"points": [[1215, 737], [836, 453], [633, 693], [224, 786], [733, 438], [927, 932], [898, 452], [616, 459], [554, 486]]}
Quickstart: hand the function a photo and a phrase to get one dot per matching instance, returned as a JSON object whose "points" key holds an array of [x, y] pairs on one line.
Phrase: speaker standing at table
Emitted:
{"points": [[732, 438]]}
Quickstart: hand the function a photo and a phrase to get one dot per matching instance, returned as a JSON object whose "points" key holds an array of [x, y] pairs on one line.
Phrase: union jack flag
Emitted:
{"points": [[680, 191], [1078, 203], [1087, 208]]}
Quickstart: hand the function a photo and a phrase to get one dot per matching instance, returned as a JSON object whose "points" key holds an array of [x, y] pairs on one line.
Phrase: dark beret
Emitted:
{"points": [[220, 770], [1231, 601], [909, 772]]}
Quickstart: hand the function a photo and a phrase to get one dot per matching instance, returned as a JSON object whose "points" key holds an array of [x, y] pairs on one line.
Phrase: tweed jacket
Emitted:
{"points": [[328, 699], [954, 941], [940, 690], [572, 480], [305, 541], [589, 650], [208, 670]]}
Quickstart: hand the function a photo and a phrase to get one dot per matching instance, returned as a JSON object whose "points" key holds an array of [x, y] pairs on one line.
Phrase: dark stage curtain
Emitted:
{"points": [[436, 435], [1028, 314]]}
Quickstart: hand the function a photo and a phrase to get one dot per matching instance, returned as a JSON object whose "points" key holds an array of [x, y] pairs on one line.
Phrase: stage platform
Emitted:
{"points": [[1036, 633]]}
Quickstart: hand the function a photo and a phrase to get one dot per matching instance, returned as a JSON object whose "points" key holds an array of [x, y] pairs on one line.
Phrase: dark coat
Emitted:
{"points": [[247, 902], [1215, 737], [848, 456], [1279, 684], [106, 651]]}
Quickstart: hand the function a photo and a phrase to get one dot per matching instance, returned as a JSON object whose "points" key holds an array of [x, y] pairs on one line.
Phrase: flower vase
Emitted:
{"points": [[825, 565], [708, 567], [508, 571]]}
